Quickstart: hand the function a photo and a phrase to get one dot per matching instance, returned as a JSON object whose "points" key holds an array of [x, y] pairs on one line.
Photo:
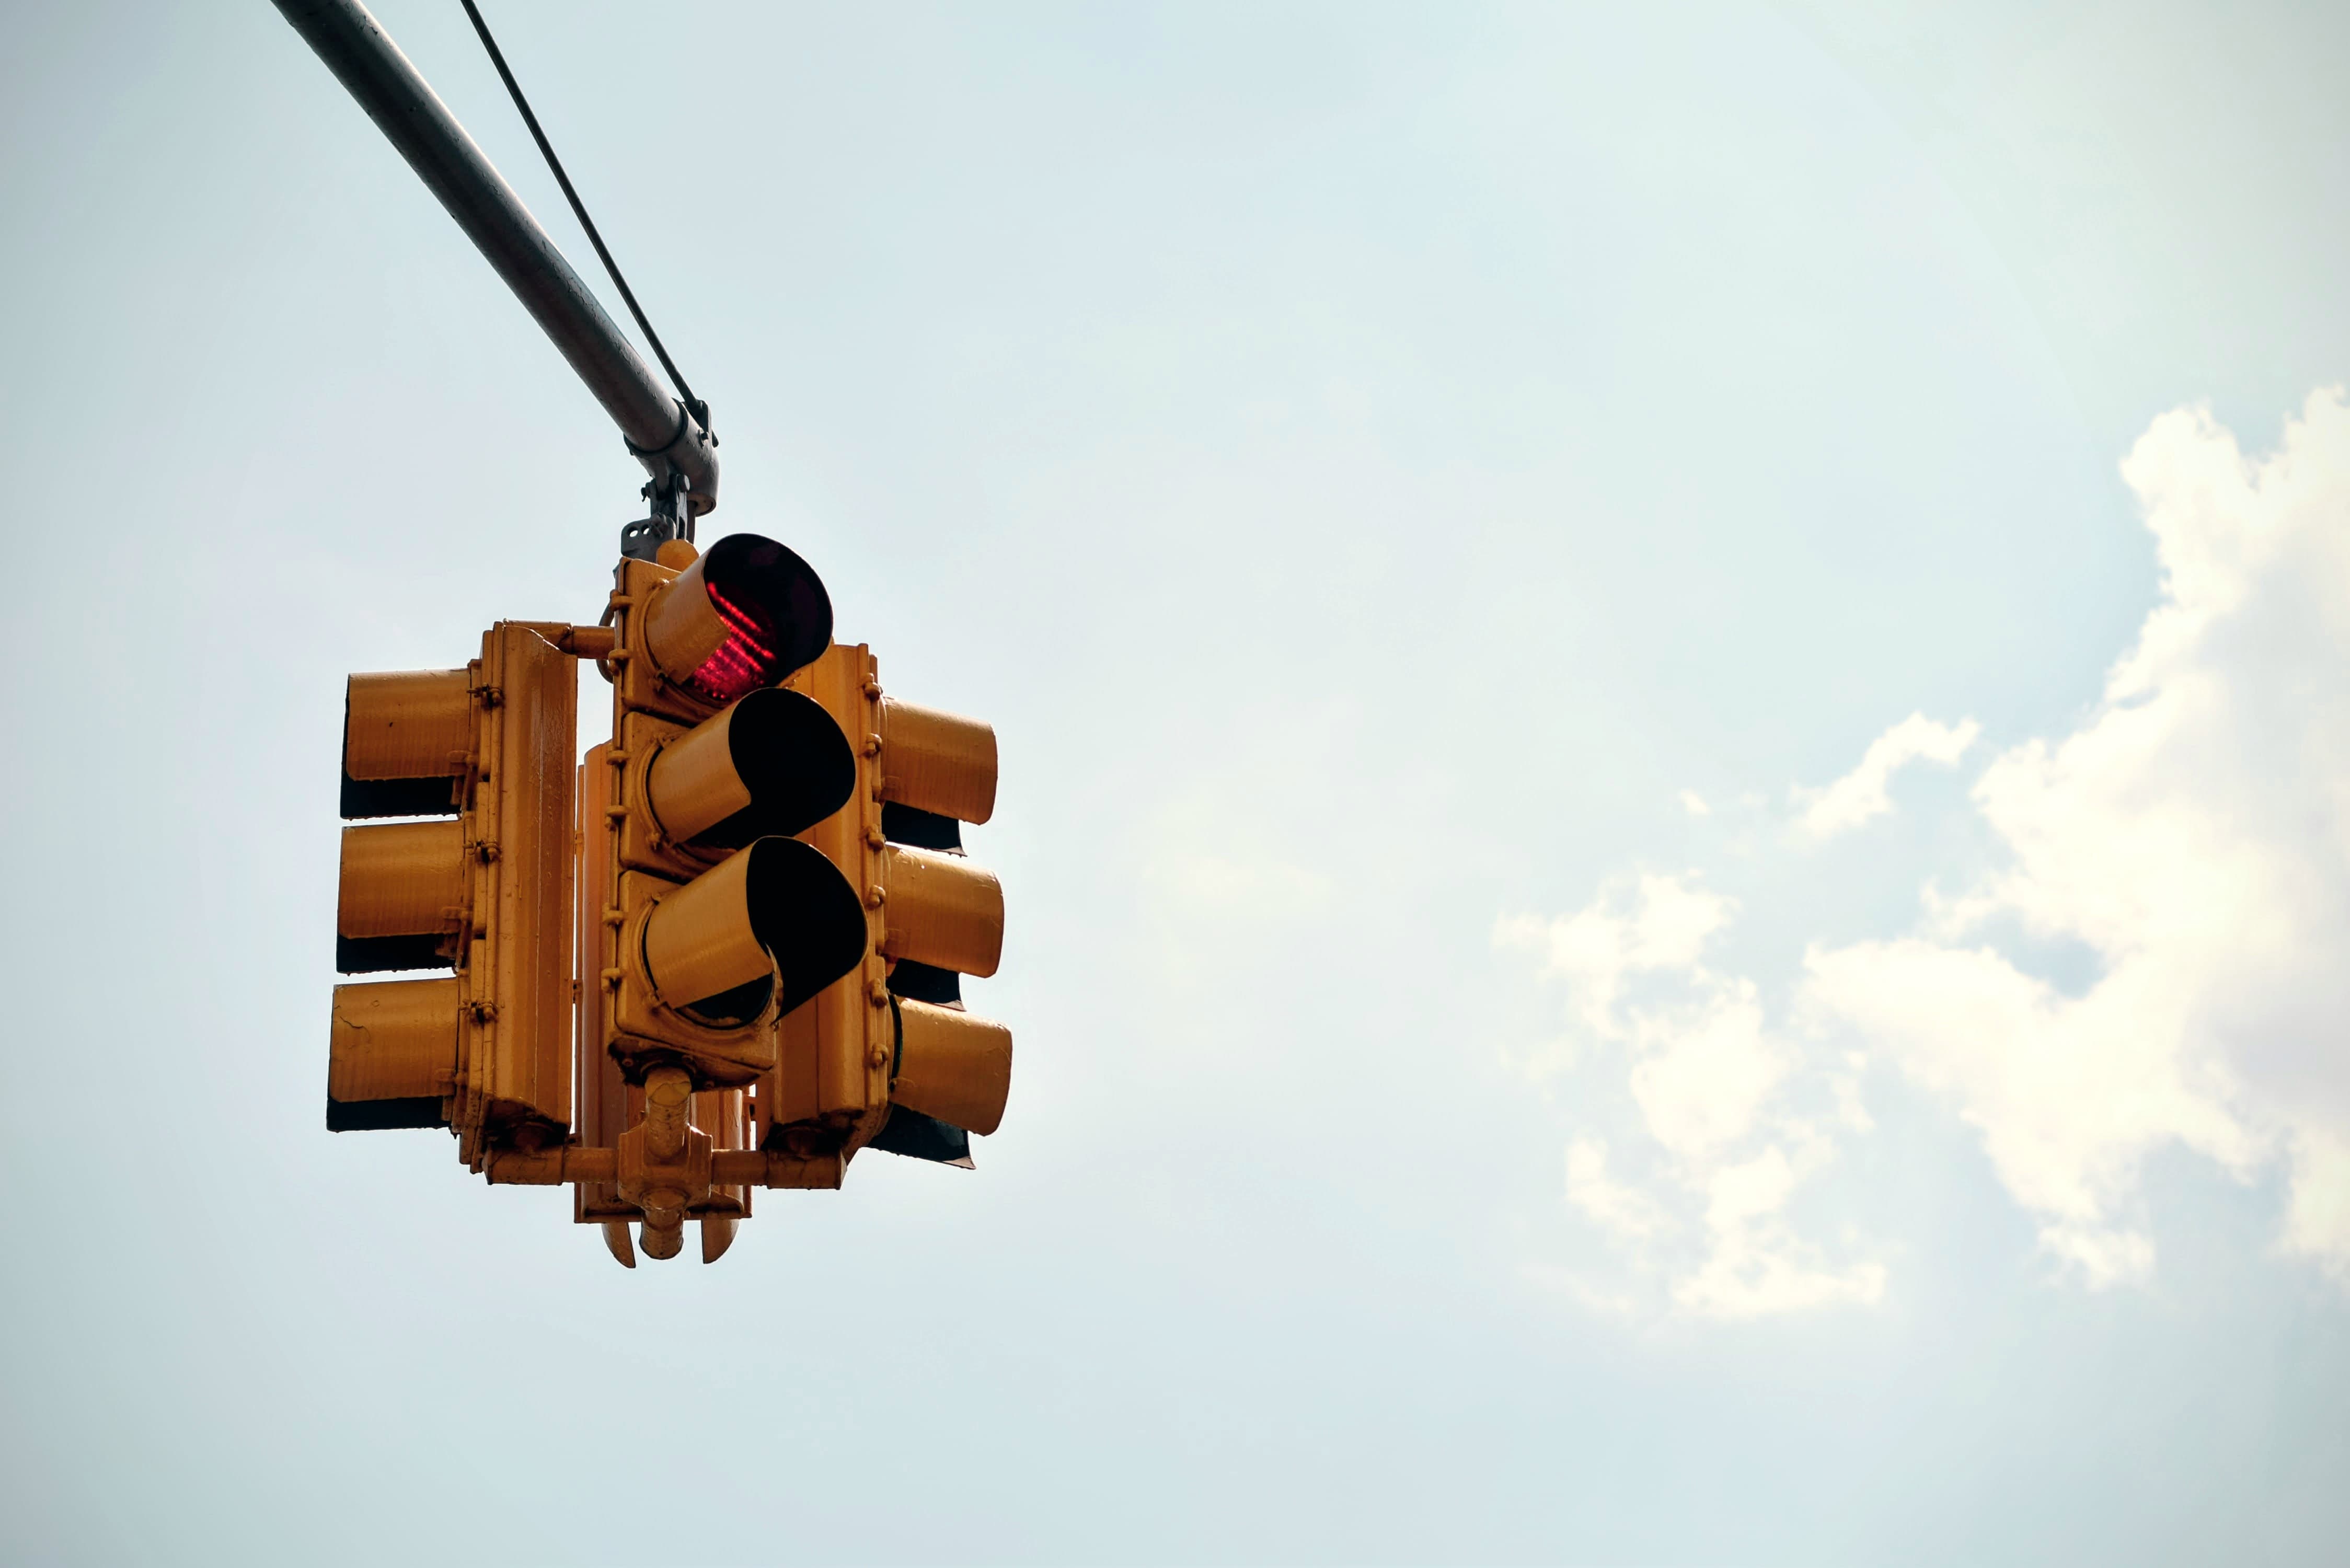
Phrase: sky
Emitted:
{"points": [[1673, 803]]}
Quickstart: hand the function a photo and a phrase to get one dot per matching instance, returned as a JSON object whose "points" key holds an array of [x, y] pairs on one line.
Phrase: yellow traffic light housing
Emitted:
{"points": [[840, 1082], [718, 923], [393, 1063], [486, 892], [721, 952], [951, 1068]]}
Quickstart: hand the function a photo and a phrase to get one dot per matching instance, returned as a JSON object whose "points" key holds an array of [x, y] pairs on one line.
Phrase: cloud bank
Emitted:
{"points": [[2192, 834]]}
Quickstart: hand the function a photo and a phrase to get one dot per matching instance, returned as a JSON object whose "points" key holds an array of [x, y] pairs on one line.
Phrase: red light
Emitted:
{"points": [[745, 661]]}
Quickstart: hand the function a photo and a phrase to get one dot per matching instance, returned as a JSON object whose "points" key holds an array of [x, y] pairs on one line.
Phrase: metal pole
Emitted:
{"points": [[672, 446]]}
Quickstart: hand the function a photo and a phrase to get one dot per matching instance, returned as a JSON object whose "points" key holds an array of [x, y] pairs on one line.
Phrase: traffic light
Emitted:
{"points": [[716, 922], [479, 883], [886, 1057], [721, 952]]}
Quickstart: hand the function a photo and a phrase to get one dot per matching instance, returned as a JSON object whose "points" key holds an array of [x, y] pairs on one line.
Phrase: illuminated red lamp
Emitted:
{"points": [[743, 617]]}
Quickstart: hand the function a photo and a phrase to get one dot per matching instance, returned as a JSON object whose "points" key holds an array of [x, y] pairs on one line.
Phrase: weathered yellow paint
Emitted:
{"points": [[603, 1106], [410, 725], [942, 910], [953, 1067], [517, 974], [402, 878], [937, 761], [698, 939], [393, 1040], [679, 629], [690, 783]]}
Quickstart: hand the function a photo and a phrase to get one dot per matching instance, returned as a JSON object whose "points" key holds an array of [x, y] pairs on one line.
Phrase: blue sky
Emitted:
{"points": [[1673, 804]]}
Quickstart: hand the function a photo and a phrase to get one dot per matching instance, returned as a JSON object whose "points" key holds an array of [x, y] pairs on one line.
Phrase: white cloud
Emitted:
{"points": [[2191, 835], [1756, 1265], [1702, 1078], [1694, 803], [1862, 794], [1597, 949], [1625, 1211], [2319, 1215], [1704, 1069], [2194, 834], [2070, 1096]]}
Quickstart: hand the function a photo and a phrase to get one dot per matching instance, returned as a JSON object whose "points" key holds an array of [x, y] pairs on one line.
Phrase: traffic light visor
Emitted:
{"points": [[402, 898], [951, 1067], [942, 910], [773, 763], [777, 911], [405, 737], [744, 616], [940, 763], [394, 1055]]}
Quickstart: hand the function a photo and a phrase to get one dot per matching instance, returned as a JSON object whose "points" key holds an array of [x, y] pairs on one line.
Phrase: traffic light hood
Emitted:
{"points": [[778, 909], [774, 763], [406, 738], [744, 616]]}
